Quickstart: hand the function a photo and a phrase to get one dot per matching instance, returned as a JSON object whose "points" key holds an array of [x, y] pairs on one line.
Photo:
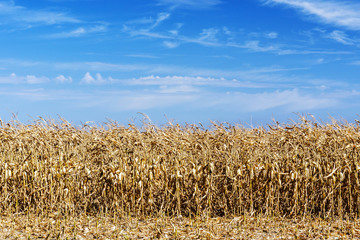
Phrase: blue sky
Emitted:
{"points": [[189, 61]]}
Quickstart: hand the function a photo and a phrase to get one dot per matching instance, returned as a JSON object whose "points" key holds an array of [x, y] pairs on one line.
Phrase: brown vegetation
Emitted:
{"points": [[300, 169], [112, 227], [296, 169]]}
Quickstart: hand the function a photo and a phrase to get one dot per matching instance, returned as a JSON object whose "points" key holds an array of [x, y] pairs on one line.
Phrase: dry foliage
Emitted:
{"points": [[284, 170], [241, 228]]}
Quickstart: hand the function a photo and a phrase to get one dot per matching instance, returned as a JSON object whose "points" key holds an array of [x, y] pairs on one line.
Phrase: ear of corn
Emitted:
{"points": [[297, 169]]}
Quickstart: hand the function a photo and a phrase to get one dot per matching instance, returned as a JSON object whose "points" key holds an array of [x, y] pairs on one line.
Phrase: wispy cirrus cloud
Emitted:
{"points": [[318, 35], [171, 44], [288, 99], [341, 37], [272, 35], [174, 40], [255, 46], [219, 37], [14, 17], [234, 102], [357, 63], [183, 80], [148, 23], [29, 79], [161, 17], [142, 56], [311, 51], [244, 80], [177, 96], [12, 13], [266, 77], [190, 4], [255, 79], [271, 88], [339, 13], [81, 31], [156, 75], [100, 66]]}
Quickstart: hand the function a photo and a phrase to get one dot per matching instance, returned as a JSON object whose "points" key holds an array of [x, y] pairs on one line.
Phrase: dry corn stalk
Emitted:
{"points": [[302, 168]]}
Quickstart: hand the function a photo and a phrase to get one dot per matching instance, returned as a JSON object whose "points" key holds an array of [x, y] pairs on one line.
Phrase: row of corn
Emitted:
{"points": [[300, 168]]}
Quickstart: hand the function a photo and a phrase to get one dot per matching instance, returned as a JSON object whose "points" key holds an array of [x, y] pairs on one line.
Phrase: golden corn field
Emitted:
{"points": [[297, 170]]}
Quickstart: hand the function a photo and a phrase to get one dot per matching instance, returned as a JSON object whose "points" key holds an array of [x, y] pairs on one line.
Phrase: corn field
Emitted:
{"points": [[296, 169]]}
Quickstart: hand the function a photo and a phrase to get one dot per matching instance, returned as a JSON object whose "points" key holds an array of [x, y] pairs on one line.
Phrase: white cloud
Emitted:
{"points": [[320, 60], [176, 96], [356, 63], [245, 77], [341, 37], [100, 66], [239, 102], [198, 4], [141, 56], [9, 12], [9, 79], [88, 79], [272, 35], [144, 101], [220, 37], [269, 91], [245, 80], [182, 80], [290, 99], [171, 44], [254, 46], [227, 31], [223, 56], [209, 37], [209, 34], [305, 52], [81, 31], [63, 79], [45, 94], [176, 30], [137, 70], [178, 89], [161, 17], [147, 23], [75, 33], [30, 79], [336, 12], [143, 20]]}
